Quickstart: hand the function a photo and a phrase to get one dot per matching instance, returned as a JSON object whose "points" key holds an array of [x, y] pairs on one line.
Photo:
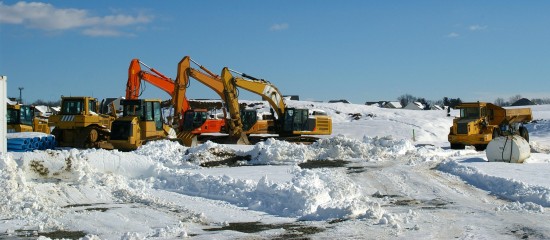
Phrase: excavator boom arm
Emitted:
{"points": [[263, 88], [135, 75]]}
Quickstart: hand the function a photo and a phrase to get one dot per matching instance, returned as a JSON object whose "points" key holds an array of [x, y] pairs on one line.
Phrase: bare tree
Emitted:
{"points": [[500, 102], [514, 99], [405, 99]]}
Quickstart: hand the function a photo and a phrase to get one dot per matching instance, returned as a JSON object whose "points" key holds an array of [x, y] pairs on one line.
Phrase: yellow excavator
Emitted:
{"points": [[290, 122], [20, 118], [79, 124], [238, 124]]}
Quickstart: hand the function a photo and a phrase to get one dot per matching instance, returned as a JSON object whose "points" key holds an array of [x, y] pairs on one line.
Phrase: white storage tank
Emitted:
{"points": [[514, 149]]}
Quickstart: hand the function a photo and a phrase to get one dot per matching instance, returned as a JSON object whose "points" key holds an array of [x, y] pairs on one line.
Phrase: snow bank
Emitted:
{"points": [[510, 189], [75, 175], [334, 148], [310, 195]]}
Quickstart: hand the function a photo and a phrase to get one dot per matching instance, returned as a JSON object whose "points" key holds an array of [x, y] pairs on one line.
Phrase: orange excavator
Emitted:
{"points": [[142, 118], [195, 121]]}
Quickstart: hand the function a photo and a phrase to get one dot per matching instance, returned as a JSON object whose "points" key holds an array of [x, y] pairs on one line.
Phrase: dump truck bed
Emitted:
{"points": [[514, 115]]}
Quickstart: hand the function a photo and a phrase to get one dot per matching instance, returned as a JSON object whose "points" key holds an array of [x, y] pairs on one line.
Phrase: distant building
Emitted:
{"points": [[437, 107], [292, 97], [523, 102], [339, 101], [392, 105], [415, 106], [379, 103], [42, 111]]}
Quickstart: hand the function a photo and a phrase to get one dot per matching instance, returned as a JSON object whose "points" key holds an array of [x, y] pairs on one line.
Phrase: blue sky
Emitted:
{"points": [[320, 50]]}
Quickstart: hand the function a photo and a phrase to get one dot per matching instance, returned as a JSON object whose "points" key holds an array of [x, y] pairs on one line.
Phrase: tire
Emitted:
{"points": [[480, 147], [458, 146], [524, 133]]}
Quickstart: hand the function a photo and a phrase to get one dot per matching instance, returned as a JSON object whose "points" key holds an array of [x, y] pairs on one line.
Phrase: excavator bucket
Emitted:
{"points": [[243, 140]]}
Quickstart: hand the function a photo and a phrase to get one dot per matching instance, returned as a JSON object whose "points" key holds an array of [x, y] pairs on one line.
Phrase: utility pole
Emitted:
{"points": [[20, 95]]}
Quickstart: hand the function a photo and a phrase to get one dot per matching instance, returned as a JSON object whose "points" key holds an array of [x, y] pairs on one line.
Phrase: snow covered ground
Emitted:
{"points": [[384, 173]]}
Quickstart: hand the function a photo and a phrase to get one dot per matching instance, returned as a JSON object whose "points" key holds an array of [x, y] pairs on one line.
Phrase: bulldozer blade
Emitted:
{"points": [[105, 145], [188, 139]]}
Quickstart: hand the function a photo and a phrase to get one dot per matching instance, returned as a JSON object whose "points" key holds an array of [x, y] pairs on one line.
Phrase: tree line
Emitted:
{"points": [[405, 99]]}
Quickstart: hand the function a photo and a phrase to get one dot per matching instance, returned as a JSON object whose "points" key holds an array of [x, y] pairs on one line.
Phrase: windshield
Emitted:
{"points": [[20, 116], [469, 112], [72, 107]]}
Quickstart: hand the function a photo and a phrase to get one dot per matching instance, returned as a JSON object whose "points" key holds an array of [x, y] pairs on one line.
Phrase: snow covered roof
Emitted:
{"points": [[393, 105], [415, 106]]}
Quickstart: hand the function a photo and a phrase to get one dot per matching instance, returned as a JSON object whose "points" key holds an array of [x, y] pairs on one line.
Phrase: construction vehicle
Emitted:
{"points": [[290, 122], [195, 121], [21, 118], [141, 121], [241, 122], [136, 128], [79, 124], [480, 122]]}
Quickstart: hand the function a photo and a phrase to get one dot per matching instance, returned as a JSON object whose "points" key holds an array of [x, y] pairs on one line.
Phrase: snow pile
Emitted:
{"points": [[107, 176], [168, 153], [21, 201], [506, 188], [279, 152], [334, 148], [517, 206], [310, 195]]}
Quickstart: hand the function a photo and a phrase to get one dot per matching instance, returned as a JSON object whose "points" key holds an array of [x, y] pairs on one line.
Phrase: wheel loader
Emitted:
{"points": [[79, 124], [480, 122], [20, 118]]}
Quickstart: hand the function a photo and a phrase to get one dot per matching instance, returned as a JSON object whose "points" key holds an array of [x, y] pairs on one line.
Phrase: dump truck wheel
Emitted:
{"points": [[524, 133], [480, 147], [457, 146]]}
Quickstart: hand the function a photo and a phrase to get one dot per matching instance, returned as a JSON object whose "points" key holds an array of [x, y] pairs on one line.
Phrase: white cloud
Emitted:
{"points": [[104, 32], [46, 17], [279, 27], [453, 35], [477, 28]]}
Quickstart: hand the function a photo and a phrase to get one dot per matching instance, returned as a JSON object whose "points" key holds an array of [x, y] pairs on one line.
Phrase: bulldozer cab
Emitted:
{"points": [[20, 114], [78, 106], [19, 118], [146, 110]]}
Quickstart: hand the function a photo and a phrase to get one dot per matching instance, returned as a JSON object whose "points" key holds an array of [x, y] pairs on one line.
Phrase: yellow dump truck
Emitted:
{"points": [[480, 122], [79, 124]]}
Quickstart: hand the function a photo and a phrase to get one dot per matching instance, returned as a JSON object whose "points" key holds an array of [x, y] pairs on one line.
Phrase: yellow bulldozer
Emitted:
{"points": [[79, 124], [480, 122], [20, 118], [141, 121]]}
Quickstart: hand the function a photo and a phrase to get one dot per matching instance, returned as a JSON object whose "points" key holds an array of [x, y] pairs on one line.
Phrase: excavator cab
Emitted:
{"points": [[194, 119], [249, 118], [295, 120]]}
